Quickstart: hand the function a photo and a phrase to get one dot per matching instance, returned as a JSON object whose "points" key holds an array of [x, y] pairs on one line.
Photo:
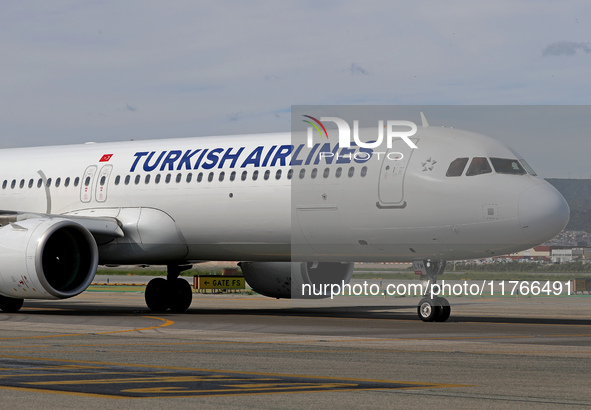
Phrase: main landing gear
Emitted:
{"points": [[10, 305], [172, 293], [432, 308]]}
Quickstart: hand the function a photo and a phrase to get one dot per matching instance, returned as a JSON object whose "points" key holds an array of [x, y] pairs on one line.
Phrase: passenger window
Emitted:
{"points": [[31, 182], [255, 175], [351, 172], [313, 173], [39, 183], [76, 181], [222, 175], [233, 176], [13, 184], [103, 180], [189, 177], [507, 166], [137, 179], [456, 168], [157, 179], [86, 181], [167, 179], [326, 172], [127, 179], [200, 177], [4, 184], [338, 172], [22, 184], [478, 166], [244, 175], [179, 177], [302, 173], [146, 181], [290, 173], [267, 173], [210, 177], [49, 182], [278, 174], [363, 171], [58, 182]]}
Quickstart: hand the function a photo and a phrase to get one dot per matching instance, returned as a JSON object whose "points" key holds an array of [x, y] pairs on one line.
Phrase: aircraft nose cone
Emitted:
{"points": [[543, 212]]}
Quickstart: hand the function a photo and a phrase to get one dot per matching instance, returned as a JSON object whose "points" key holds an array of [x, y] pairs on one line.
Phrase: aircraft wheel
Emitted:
{"points": [[181, 295], [445, 310], [10, 305], [428, 310], [157, 295]]}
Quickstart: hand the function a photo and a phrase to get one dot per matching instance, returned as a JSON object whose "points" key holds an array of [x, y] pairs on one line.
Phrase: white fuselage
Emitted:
{"points": [[187, 200]]}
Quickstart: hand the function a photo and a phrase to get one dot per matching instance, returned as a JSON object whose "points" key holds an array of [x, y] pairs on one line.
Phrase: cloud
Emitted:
{"points": [[236, 116], [356, 69], [566, 48], [130, 107]]}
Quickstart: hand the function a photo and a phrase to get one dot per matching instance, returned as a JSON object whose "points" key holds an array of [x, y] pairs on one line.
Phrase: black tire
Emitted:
{"points": [[10, 305], [157, 295], [445, 310], [428, 309], [181, 295]]}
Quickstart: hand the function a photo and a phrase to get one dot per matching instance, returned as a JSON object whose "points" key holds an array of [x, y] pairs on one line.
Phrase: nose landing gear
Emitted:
{"points": [[432, 308]]}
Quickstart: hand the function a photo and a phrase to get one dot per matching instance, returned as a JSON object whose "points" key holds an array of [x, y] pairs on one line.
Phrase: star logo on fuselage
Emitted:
{"points": [[428, 164]]}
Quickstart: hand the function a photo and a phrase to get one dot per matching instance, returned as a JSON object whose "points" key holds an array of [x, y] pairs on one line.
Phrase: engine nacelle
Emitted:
{"points": [[44, 258], [285, 279]]}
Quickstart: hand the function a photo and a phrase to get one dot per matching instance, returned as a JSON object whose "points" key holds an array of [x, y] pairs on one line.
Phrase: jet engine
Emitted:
{"points": [[46, 258], [287, 279]]}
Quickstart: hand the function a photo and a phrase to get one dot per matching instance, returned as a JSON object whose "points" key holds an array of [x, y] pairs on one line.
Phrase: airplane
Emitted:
{"points": [[292, 213]]}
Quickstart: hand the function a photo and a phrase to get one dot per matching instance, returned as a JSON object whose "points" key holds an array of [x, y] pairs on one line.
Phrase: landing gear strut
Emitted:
{"points": [[432, 308], [171, 293]]}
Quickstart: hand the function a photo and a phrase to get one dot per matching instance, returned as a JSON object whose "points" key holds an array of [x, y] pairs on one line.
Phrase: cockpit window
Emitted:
{"points": [[527, 167], [507, 166], [478, 166], [456, 168]]}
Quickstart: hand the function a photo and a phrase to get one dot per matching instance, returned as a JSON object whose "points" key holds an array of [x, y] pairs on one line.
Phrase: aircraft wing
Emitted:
{"points": [[103, 228]]}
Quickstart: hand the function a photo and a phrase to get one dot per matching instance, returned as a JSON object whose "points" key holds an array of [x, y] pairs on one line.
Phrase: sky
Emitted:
{"points": [[79, 71]]}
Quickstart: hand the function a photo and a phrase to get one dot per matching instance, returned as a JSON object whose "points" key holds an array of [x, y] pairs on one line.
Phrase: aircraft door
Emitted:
{"points": [[103, 183], [392, 173], [86, 184]]}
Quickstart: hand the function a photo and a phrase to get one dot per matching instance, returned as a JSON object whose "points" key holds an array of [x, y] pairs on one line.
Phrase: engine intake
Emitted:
{"points": [[45, 258]]}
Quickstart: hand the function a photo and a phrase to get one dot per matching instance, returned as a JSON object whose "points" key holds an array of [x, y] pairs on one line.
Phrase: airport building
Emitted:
{"points": [[553, 254], [537, 253]]}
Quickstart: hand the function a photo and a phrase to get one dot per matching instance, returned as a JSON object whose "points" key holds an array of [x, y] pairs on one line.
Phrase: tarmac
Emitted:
{"points": [[105, 349]]}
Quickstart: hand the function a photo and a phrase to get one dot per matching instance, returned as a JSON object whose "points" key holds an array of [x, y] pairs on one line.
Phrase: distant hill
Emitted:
{"points": [[577, 193]]}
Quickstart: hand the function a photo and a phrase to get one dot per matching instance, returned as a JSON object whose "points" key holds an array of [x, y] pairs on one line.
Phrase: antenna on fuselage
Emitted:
{"points": [[424, 121]]}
